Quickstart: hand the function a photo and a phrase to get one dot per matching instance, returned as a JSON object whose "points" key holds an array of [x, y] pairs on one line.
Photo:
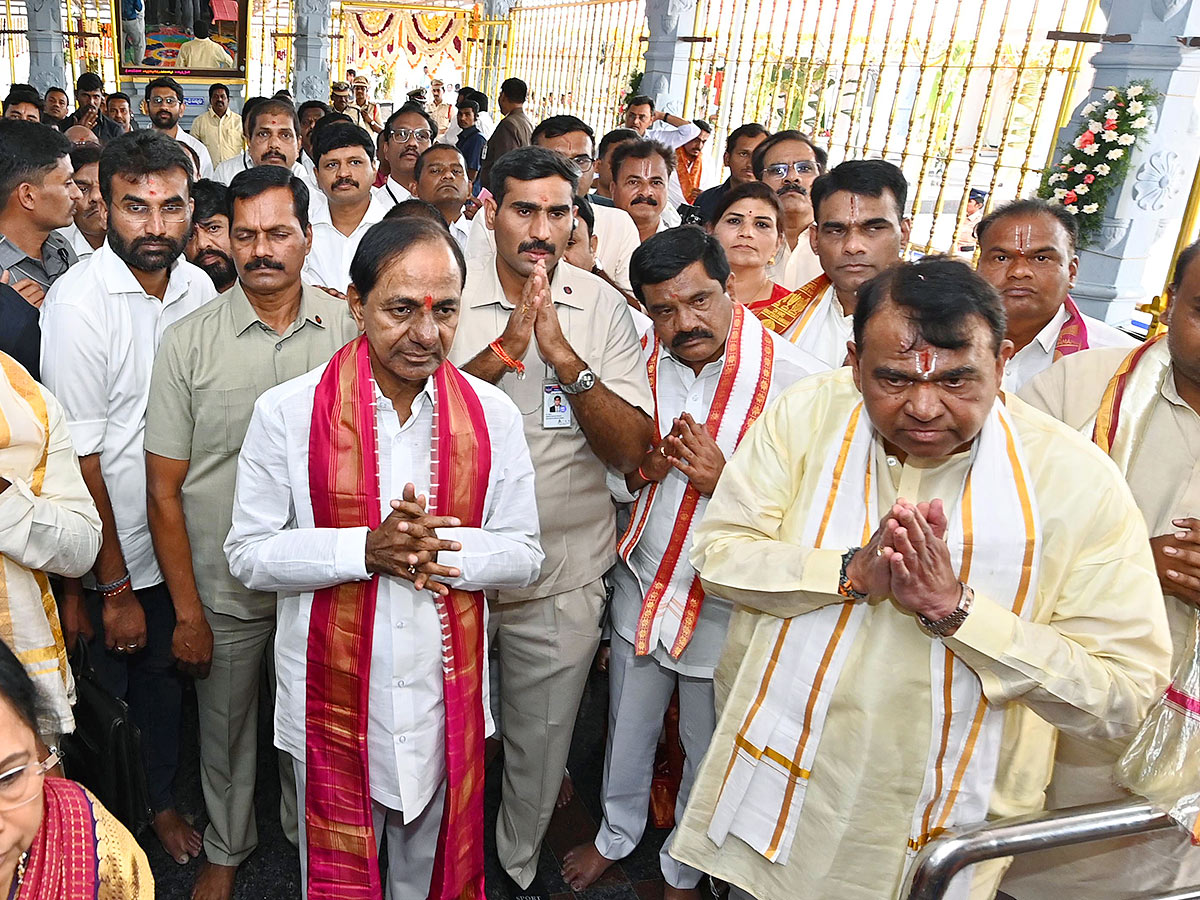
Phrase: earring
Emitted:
{"points": [[771, 261]]}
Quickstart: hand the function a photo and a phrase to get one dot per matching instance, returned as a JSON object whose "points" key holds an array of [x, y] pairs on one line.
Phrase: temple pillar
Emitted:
{"points": [[667, 57], [1127, 264], [45, 35], [311, 46]]}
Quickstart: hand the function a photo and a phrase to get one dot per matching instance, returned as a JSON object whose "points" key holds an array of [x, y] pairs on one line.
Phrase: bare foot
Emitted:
{"points": [[674, 893], [566, 791], [181, 841], [583, 865], [214, 882]]}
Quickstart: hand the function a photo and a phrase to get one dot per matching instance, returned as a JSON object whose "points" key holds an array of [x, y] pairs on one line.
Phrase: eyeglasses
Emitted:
{"points": [[404, 135], [171, 213], [171, 102], [583, 160], [780, 170], [20, 785]]}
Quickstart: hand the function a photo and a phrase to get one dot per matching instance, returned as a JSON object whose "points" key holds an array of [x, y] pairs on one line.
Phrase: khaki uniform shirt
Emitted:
{"points": [[210, 369], [576, 512], [1164, 477]]}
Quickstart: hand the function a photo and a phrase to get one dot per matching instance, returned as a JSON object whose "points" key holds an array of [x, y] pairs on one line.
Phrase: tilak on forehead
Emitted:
{"points": [[429, 302], [1022, 237], [926, 361], [854, 207]]}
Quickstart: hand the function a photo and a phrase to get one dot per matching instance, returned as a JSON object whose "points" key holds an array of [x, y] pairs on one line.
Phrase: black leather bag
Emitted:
{"points": [[104, 754]]}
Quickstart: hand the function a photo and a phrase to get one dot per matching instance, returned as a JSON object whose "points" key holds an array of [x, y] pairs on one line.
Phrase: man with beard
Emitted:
{"points": [[573, 336], [217, 128], [37, 196], [346, 207], [120, 110], [164, 98], [641, 171], [56, 108], [788, 162], [89, 98], [442, 181], [272, 139], [101, 326], [86, 233], [210, 369], [408, 133], [859, 231], [310, 113], [208, 247], [739, 159]]}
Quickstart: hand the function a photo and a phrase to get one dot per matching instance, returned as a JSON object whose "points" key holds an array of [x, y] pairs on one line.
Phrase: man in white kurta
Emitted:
{"points": [[859, 714], [859, 230], [713, 369], [274, 545], [1027, 253], [1158, 450]]}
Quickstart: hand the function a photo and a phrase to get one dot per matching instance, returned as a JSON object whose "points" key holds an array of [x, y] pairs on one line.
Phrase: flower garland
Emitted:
{"points": [[1098, 159]]}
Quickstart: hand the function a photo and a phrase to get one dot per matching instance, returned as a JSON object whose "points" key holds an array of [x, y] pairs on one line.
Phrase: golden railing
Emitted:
{"points": [[485, 59]]}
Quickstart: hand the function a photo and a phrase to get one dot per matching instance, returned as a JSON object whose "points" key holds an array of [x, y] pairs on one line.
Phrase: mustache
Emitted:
{"points": [[345, 182], [545, 246], [683, 337], [792, 188], [263, 262], [274, 154], [643, 198]]}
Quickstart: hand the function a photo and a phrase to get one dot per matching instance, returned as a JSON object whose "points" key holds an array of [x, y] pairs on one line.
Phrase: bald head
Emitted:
{"points": [[79, 135]]}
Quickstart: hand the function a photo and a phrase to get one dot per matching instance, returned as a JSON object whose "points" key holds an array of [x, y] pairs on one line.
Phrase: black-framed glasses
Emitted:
{"points": [[583, 160], [164, 101]]}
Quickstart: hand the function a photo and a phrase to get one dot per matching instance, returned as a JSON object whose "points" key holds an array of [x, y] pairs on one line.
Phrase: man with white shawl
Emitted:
{"points": [[869, 699]]}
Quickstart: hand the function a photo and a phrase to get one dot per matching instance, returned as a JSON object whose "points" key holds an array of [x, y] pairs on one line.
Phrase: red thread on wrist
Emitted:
{"points": [[511, 363]]}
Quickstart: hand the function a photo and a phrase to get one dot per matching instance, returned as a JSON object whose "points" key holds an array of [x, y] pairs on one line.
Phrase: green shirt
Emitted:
{"points": [[211, 367]]}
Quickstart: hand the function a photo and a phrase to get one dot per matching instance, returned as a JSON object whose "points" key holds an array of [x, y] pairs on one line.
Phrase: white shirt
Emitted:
{"points": [[391, 192], [309, 166], [328, 263], [273, 546], [241, 162], [795, 266], [100, 332], [483, 122], [681, 390], [206, 164], [827, 333], [460, 228], [672, 136], [1038, 355], [74, 237]]}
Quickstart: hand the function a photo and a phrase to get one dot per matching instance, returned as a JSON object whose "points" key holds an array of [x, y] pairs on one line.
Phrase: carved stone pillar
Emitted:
{"points": [[665, 78], [312, 44], [1129, 262], [45, 34]]}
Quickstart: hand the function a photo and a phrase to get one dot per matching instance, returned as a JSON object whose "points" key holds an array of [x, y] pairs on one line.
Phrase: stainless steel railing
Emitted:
{"points": [[942, 859]]}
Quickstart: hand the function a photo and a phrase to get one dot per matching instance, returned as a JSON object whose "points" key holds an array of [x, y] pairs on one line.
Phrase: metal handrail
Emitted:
{"points": [[945, 857]]}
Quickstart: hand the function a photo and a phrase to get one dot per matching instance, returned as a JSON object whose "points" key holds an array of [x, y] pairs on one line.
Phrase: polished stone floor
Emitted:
{"points": [[272, 872]]}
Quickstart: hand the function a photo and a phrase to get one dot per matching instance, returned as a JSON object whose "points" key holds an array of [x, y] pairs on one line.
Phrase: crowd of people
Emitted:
{"points": [[420, 417]]}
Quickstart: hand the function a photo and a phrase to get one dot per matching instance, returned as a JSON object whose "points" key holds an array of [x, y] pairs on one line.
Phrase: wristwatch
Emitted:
{"points": [[947, 624], [585, 382]]}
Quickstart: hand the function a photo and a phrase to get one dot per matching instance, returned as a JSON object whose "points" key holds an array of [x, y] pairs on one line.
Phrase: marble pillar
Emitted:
{"points": [[665, 78], [45, 33]]}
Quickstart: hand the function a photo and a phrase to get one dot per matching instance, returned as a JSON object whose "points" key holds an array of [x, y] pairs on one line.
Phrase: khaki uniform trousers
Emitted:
{"points": [[228, 702], [545, 649]]}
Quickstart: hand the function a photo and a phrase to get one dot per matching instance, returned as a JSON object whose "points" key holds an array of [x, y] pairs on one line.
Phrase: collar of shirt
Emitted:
{"points": [[245, 315], [686, 372], [118, 278], [319, 212], [383, 404], [57, 256], [1169, 392], [1048, 336], [564, 286]]}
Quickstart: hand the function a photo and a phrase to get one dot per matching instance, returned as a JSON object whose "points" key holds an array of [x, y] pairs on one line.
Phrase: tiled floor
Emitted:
{"points": [[272, 872]]}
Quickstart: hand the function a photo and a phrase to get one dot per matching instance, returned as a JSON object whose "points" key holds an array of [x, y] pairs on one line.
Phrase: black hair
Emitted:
{"points": [[386, 240], [284, 94], [248, 107], [56, 90], [412, 108], [260, 179], [585, 211], [481, 98], [116, 95], [85, 155], [435, 148], [89, 81], [1031, 206], [18, 689], [200, 29], [616, 136], [639, 100], [1186, 257], [529, 164], [23, 93], [140, 153], [760, 152], [641, 149], [415, 208], [469, 104], [514, 89], [338, 135], [312, 104], [664, 255], [164, 81], [753, 190], [272, 107], [193, 157], [557, 126], [703, 125], [211, 199], [865, 177], [28, 152], [939, 294], [217, 86]]}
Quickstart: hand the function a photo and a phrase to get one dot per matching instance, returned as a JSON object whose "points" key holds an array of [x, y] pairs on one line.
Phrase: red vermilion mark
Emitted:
{"points": [[429, 302]]}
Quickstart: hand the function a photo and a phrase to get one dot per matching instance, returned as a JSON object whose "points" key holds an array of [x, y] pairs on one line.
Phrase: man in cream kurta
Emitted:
{"points": [[1084, 647], [1164, 476]]}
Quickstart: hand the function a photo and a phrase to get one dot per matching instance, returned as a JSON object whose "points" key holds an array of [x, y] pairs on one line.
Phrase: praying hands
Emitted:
{"points": [[406, 544]]}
